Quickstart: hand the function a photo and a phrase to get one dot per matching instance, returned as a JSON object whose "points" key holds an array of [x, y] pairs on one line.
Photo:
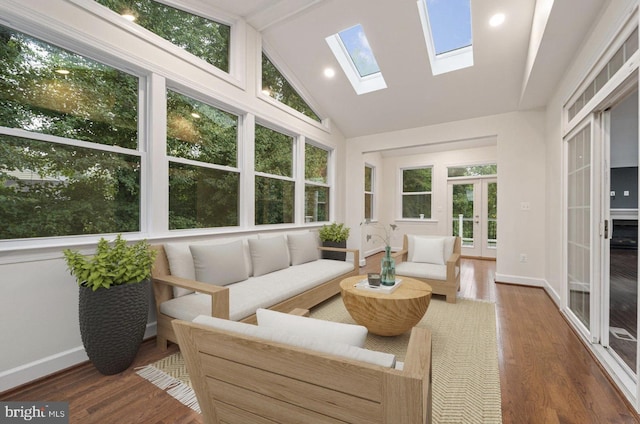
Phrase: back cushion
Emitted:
{"points": [[428, 250], [303, 247], [268, 255], [180, 264], [449, 242], [219, 264], [320, 330]]}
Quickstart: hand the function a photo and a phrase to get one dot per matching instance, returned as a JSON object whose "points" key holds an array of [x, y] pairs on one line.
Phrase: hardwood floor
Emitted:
{"points": [[547, 375]]}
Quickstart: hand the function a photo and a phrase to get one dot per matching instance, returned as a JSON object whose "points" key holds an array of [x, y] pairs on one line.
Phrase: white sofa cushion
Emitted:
{"points": [[277, 335], [429, 250], [303, 247], [219, 264], [259, 292], [180, 264], [320, 330], [268, 255]]}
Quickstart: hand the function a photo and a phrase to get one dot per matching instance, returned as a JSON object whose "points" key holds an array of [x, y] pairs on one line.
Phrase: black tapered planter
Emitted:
{"points": [[112, 324], [336, 256]]}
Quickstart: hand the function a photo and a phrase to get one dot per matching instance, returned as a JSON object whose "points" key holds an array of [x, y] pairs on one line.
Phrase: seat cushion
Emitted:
{"points": [[265, 291], [423, 270], [276, 335]]}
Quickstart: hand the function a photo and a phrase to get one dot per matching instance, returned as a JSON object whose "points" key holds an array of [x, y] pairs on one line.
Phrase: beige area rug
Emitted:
{"points": [[466, 380]]}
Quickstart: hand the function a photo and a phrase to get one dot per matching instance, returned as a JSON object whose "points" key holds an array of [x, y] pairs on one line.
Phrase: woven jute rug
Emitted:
{"points": [[466, 380]]}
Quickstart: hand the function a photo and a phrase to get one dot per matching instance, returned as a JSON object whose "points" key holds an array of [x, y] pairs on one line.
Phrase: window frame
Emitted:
{"points": [[50, 245], [237, 44], [208, 165], [306, 182], [414, 193], [371, 192]]}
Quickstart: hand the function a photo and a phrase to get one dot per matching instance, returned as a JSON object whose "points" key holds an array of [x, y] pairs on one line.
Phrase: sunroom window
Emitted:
{"points": [[209, 40], [69, 157], [355, 56], [275, 85], [447, 31], [316, 187]]}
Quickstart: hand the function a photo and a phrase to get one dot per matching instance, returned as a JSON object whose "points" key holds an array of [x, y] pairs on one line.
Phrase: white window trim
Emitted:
{"points": [[413, 193]]}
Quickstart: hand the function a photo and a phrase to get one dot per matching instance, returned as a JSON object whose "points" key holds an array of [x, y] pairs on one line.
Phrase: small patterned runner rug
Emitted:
{"points": [[466, 379]]}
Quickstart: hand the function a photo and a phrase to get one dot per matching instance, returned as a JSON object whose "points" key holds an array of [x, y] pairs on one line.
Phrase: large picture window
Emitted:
{"points": [[416, 193], [204, 181], [69, 159], [204, 38], [275, 185], [316, 189]]}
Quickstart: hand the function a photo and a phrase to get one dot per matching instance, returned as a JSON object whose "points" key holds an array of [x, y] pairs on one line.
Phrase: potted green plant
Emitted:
{"points": [[113, 300], [334, 235]]}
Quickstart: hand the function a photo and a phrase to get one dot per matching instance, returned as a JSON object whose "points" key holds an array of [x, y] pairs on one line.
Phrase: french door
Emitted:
{"points": [[474, 215]]}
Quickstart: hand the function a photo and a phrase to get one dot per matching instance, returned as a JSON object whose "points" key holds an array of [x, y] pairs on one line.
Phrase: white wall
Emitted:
{"points": [[520, 154], [39, 331]]}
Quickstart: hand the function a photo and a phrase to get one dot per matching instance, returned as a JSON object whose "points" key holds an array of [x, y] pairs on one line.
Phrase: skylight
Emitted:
{"points": [[353, 52], [447, 32]]}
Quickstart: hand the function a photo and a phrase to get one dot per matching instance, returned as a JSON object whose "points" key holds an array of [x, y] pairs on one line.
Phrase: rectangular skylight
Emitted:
{"points": [[351, 49], [447, 32], [359, 50]]}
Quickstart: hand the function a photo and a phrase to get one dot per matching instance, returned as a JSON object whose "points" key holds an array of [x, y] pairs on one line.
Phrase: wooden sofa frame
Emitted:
{"points": [[241, 379], [163, 283], [448, 287]]}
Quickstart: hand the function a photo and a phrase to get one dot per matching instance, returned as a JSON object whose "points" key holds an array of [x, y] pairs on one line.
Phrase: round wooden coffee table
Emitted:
{"points": [[386, 314]]}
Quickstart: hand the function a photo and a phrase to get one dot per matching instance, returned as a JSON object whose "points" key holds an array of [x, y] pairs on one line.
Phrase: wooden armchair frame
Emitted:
{"points": [[163, 283], [448, 287], [241, 379]]}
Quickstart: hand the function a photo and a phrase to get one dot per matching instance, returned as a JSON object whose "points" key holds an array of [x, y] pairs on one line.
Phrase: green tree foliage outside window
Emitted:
{"points": [[277, 86], [416, 193], [204, 38], [274, 197], [52, 188], [200, 196]]}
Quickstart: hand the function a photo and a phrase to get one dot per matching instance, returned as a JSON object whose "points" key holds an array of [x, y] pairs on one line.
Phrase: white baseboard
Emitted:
{"points": [[43, 367], [528, 281]]}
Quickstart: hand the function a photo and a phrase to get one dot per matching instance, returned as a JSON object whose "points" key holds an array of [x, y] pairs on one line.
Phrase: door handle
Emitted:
{"points": [[606, 229]]}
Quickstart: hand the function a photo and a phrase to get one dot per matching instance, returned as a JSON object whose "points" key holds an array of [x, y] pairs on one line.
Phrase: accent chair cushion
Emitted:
{"points": [[268, 255], [320, 330], [429, 250], [303, 248], [275, 335], [219, 264]]}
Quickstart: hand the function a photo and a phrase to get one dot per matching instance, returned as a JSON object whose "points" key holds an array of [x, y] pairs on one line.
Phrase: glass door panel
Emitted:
{"points": [[463, 213], [475, 215], [579, 224]]}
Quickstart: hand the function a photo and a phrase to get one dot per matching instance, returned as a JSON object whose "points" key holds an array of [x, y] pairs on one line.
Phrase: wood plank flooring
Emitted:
{"points": [[547, 375]]}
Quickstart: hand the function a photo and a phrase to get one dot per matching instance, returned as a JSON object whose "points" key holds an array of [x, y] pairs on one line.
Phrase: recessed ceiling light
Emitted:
{"points": [[62, 71], [497, 19], [129, 17], [329, 73], [195, 115]]}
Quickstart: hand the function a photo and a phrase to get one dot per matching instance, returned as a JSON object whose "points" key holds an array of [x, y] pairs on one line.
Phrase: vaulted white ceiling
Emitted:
{"points": [[516, 66]]}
